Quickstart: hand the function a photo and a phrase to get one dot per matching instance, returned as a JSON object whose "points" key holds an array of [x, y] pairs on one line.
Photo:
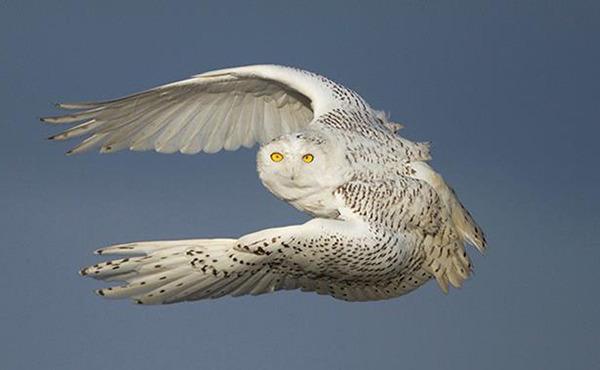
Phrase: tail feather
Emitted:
{"points": [[466, 225], [449, 264], [461, 218]]}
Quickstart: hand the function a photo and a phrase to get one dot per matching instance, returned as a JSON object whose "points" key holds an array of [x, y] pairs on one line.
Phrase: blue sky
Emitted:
{"points": [[506, 91]]}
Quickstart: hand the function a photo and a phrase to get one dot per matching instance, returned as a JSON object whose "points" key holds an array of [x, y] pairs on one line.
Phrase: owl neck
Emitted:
{"points": [[316, 199]]}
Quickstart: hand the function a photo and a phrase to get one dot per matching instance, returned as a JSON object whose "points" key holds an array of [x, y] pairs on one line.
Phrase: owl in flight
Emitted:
{"points": [[384, 221]]}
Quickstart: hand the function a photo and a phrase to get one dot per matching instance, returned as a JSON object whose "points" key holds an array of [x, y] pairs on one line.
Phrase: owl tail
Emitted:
{"points": [[461, 218], [449, 264], [162, 272]]}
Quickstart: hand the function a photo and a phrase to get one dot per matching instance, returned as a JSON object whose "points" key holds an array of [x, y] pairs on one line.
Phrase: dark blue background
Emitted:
{"points": [[507, 91]]}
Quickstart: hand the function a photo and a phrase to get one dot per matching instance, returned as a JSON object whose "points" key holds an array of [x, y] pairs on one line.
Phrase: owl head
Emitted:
{"points": [[300, 163]]}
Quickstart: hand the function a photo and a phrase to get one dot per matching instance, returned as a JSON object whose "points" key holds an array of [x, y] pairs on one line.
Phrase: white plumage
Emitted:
{"points": [[385, 221]]}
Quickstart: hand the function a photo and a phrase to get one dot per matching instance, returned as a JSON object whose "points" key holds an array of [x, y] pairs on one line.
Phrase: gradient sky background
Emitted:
{"points": [[507, 91]]}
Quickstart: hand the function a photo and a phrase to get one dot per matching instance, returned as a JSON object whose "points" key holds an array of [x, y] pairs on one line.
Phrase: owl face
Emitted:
{"points": [[297, 164], [293, 159]]}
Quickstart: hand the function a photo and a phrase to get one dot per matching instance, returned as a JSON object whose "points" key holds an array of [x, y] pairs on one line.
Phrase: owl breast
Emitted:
{"points": [[315, 197]]}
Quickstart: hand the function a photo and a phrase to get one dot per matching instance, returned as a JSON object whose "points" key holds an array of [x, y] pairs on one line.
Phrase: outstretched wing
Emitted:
{"points": [[340, 258], [223, 109]]}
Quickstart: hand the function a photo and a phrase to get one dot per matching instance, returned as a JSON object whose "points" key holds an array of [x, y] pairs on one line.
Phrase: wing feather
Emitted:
{"points": [[87, 144], [215, 140], [233, 136], [168, 141], [223, 109], [78, 130], [121, 139], [287, 119], [247, 138], [193, 143], [271, 121], [259, 120]]}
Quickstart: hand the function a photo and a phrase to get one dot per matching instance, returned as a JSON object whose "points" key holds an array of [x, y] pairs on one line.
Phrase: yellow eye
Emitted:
{"points": [[308, 158], [276, 157]]}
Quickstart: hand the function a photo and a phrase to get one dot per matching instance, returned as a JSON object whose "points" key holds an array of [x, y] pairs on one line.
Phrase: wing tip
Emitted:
{"points": [[57, 137], [48, 119]]}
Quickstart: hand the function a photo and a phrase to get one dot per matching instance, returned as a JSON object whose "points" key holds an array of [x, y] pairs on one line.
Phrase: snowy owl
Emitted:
{"points": [[384, 221]]}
